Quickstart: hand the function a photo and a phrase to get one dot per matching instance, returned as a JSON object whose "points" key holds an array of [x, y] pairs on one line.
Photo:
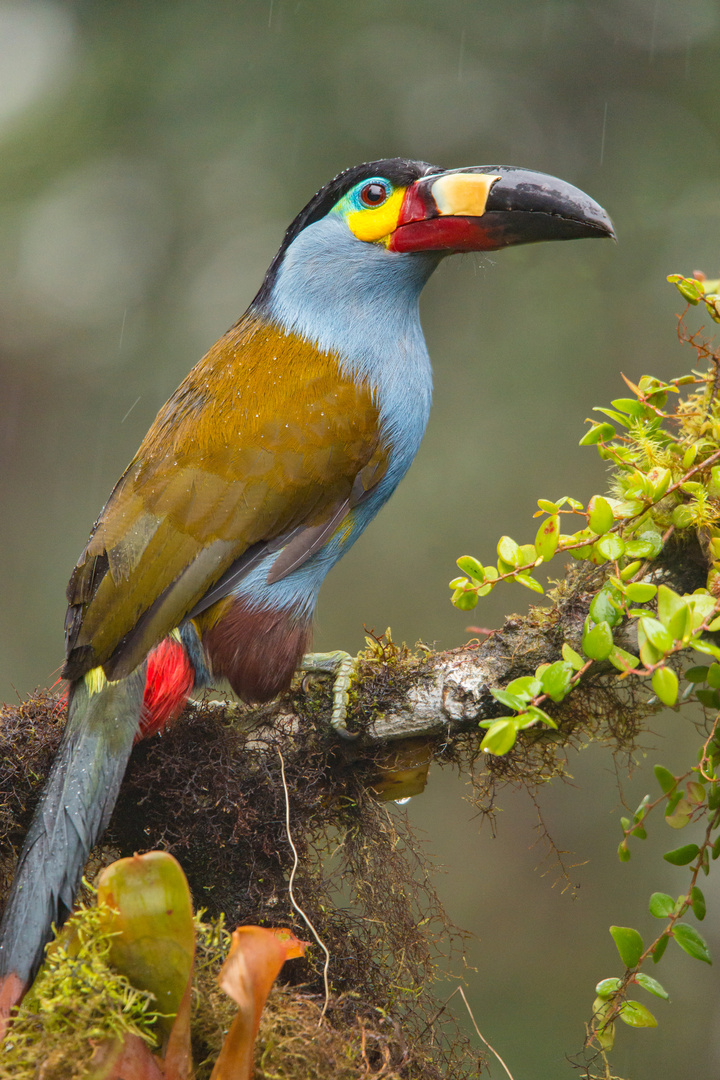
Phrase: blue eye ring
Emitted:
{"points": [[373, 193]]}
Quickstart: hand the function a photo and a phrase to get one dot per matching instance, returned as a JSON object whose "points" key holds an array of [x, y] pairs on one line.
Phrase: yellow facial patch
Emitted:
{"points": [[377, 222], [463, 194]]}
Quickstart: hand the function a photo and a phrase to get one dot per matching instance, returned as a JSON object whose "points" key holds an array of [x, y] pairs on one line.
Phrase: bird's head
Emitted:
{"points": [[481, 208], [375, 233], [411, 207]]}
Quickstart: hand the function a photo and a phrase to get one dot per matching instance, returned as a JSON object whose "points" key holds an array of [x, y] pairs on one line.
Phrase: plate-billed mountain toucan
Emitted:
{"points": [[261, 470]]}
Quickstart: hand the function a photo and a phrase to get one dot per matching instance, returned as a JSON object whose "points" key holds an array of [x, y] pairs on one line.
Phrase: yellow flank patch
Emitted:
{"points": [[95, 680], [377, 223], [344, 530], [463, 194]]}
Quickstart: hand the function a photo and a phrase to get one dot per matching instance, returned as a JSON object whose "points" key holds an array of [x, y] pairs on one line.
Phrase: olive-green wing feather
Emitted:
{"points": [[262, 444]]}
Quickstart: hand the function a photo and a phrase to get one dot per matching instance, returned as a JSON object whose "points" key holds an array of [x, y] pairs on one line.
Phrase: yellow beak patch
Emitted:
{"points": [[462, 194], [377, 223]]}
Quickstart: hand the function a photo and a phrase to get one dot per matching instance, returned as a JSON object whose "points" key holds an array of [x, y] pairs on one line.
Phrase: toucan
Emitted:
{"points": [[257, 475]]}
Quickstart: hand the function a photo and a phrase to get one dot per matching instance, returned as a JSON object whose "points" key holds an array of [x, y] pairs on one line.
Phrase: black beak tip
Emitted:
{"points": [[568, 211]]}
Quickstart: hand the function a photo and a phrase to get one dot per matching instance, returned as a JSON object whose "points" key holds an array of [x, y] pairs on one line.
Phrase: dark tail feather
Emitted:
{"points": [[73, 811]]}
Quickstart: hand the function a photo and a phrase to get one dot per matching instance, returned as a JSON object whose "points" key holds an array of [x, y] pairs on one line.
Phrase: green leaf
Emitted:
{"points": [[673, 800], [600, 518], [489, 723], [471, 567], [636, 1015], [602, 609], [651, 985], [598, 433], [665, 779], [657, 953], [547, 506], [690, 289], [639, 592], [708, 647], [649, 655], [697, 674], [655, 633], [679, 814], [623, 851], [642, 808], [661, 905], [631, 569], [526, 719], [613, 414], [647, 544], [697, 903], [572, 657], [508, 551], [528, 554], [665, 685], [597, 643], [622, 660], [539, 714], [546, 540], [607, 987], [660, 481], [629, 944], [611, 547], [584, 551], [683, 855], [713, 676], [631, 406], [692, 942], [669, 602], [709, 698], [695, 792], [703, 606], [500, 737], [508, 699], [529, 582], [679, 625], [638, 549], [605, 1036], [464, 601], [556, 679], [526, 687], [683, 516]]}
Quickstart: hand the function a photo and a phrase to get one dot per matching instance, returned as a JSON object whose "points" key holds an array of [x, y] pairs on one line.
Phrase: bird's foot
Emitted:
{"points": [[343, 667]]}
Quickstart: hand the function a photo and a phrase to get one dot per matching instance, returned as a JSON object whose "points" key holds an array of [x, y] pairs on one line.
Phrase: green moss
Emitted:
{"points": [[77, 1004]]}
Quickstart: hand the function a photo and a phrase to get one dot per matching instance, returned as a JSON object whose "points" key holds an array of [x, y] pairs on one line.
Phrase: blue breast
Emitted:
{"points": [[360, 302]]}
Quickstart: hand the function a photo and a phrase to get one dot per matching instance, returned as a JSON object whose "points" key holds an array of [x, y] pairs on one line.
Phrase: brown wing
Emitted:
{"points": [[263, 440]]}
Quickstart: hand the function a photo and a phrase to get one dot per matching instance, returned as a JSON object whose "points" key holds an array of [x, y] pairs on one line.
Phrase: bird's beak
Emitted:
{"points": [[482, 209]]}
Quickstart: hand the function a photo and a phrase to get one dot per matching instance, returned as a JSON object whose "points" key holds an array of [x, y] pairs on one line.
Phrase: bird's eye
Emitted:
{"points": [[373, 194]]}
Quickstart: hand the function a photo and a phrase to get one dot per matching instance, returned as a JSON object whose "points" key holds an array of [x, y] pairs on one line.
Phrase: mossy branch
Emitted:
{"points": [[210, 790]]}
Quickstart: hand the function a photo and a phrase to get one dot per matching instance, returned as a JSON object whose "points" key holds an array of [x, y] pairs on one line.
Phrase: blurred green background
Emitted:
{"points": [[151, 155]]}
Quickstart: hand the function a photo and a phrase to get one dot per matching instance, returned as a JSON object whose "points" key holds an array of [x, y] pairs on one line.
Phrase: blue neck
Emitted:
{"points": [[359, 302]]}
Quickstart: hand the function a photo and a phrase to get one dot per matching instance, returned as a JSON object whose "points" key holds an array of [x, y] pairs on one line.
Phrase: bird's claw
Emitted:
{"points": [[343, 667]]}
